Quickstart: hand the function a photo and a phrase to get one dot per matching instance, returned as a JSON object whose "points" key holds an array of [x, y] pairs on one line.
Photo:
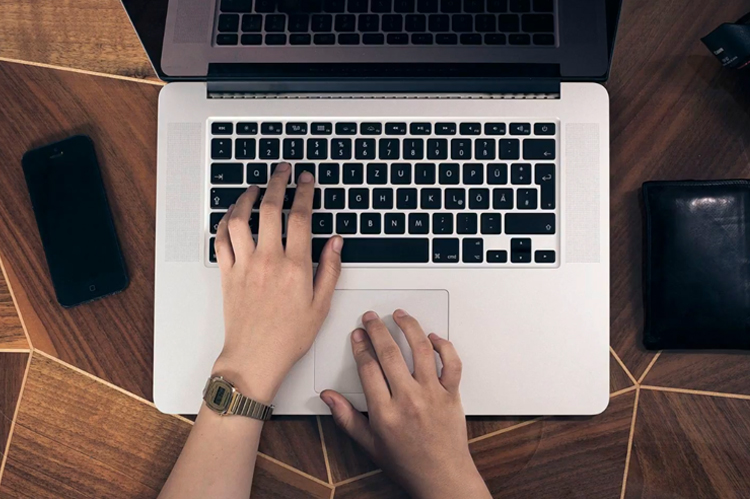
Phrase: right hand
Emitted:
{"points": [[416, 429]]}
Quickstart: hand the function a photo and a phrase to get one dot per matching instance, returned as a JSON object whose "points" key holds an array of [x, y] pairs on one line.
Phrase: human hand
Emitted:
{"points": [[417, 430], [272, 308]]}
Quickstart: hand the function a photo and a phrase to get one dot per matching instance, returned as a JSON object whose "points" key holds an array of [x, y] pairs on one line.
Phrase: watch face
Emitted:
{"points": [[218, 395]]}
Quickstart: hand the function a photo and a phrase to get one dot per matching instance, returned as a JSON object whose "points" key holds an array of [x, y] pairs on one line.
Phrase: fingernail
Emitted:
{"points": [[282, 167], [328, 400], [358, 336], [400, 313], [253, 188], [337, 244], [434, 336], [369, 316], [305, 178]]}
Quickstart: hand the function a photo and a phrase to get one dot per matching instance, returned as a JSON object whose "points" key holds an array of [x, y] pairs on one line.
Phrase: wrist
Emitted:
{"points": [[461, 480], [249, 379]]}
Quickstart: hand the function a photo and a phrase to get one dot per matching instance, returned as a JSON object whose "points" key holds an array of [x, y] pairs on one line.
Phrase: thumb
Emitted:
{"points": [[349, 419], [329, 270]]}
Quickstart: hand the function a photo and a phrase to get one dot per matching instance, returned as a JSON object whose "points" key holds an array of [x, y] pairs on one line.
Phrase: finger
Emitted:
{"points": [[389, 355], [327, 275], [298, 232], [425, 369], [239, 224], [451, 375], [371, 375], [349, 419], [223, 243], [269, 232]]}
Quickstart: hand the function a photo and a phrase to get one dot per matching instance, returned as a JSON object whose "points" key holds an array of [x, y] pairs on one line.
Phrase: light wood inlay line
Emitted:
{"points": [[15, 303], [325, 450], [622, 365], [15, 416], [630, 444], [623, 391], [357, 478], [649, 366], [293, 469], [703, 393], [148, 80], [505, 430]]}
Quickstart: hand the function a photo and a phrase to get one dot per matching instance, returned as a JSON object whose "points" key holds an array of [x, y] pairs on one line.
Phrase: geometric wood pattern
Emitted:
{"points": [[11, 331], [12, 370], [717, 372]]}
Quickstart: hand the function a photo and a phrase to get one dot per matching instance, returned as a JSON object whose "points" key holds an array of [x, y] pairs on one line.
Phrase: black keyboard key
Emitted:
{"points": [[455, 199], [317, 199], [461, 149], [544, 129], [462, 23], [495, 39], [346, 129], [373, 39], [519, 39], [389, 149], [401, 173], [299, 23], [273, 169], [530, 223], [393, 24], [437, 148], [227, 39], [333, 5], [381, 6], [252, 23], [520, 129], [484, 149], [403, 6], [544, 5], [328, 173], [544, 256], [349, 39], [497, 6], [538, 23], [413, 149], [275, 23], [497, 256], [471, 129], [357, 6], [416, 23], [474, 6], [324, 39], [321, 128], [275, 39], [438, 23], [368, 23], [446, 39], [508, 23], [321, 23], [449, 173], [445, 129], [485, 23], [421, 38], [303, 167], [472, 250], [257, 173], [268, 148], [236, 5], [466, 223], [364, 148], [346, 223], [223, 198], [520, 5], [442, 223], [471, 39], [271, 128], [369, 223], [214, 222], [520, 250], [371, 128], [317, 148], [544, 176], [430, 199], [502, 199], [221, 148], [419, 223], [244, 148], [427, 6], [265, 6], [247, 128], [450, 6], [491, 223], [333, 199], [424, 174], [322, 223], [226, 173], [377, 173], [497, 173], [420, 128], [382, 199], [539, 149], [212, 250], [222, 128], [353, 174], [341, 149], [395, 128], [510, 149], [293, 148], [520, 174], [296, 128], [527, 199], [479, 199], [544, 39], [406, 199], [379, 250], [445, 250], [359, 199], [395, 223]]}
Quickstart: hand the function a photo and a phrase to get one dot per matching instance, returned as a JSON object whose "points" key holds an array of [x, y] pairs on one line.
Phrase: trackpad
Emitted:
{"points": [[335, 368]]}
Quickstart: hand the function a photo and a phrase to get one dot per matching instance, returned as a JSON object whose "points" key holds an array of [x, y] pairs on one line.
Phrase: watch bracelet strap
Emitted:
{"points": [[244, 406]]}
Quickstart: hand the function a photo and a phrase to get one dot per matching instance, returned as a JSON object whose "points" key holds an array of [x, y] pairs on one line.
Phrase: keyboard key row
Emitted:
{"points": [[541, 39], [387, 6], [398, 128]]}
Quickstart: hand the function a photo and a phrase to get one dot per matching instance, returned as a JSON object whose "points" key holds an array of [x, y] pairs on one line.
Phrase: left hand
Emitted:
{"points": [[272, 308]]}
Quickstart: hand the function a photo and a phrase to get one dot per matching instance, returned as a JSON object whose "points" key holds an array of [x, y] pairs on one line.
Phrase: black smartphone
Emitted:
{"points": [[74, 220]]}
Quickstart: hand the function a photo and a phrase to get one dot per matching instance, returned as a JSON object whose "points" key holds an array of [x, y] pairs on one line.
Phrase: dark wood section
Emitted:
{"points": [[11, 330], [675, 115], [272, 481], [93, 35], [690, 446], [346, 458], [113, 337], [618, 378], [714, 372], [295, 440], [377, 486], [12, 369]]}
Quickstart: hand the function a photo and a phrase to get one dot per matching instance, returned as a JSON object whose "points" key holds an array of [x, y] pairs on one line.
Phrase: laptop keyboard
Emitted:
{"points": [[386, 22], [403, 192]]}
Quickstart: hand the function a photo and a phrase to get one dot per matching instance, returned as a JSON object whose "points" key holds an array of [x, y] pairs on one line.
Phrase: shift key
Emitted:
{"points": [[224, 198], [530, 223]]}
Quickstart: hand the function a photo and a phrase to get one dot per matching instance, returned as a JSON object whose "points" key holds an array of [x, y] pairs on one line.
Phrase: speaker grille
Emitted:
{"points": [[184, 174], [193, 23], [582, 231]]}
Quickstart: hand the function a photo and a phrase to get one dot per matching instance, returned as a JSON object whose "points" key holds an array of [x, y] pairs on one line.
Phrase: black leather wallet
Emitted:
{"points": [[697, 265]]}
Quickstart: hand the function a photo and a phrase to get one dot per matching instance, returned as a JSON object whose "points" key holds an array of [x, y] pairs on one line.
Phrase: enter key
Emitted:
{"points": [[544, 177]]}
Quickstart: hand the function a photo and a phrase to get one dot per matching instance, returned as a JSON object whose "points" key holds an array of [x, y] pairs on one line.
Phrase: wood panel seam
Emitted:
{"points": [[631, 437], [357, 478], [295, 470], [148, 81], [15, 416], [15, 303], [325, 450], [649, 366], [505, 430], [623, 391], [703, 393], [622, 365]]}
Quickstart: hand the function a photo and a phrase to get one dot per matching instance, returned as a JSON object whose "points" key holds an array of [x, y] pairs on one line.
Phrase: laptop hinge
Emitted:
{"points": [[428, 88]]}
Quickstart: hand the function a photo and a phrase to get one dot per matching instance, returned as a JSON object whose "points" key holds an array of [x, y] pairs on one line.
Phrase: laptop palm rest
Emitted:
{"points": [[335, 367]]}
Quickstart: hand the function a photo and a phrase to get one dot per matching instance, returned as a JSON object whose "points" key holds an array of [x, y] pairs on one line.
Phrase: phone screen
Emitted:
{"points": [[74, 220]]}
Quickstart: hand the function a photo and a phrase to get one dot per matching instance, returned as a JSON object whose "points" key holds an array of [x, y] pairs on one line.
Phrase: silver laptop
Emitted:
{"points": [[460, 147]]}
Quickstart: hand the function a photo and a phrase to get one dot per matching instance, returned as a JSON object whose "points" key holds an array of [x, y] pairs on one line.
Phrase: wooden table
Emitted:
{"points": [[75, 385]]}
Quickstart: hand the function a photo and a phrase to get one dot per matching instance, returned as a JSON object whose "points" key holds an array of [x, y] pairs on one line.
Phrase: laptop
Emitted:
{"points": [[460, 147]]}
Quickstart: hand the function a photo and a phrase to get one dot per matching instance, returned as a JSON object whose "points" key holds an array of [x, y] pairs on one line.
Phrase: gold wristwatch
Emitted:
{"points": [[221, 397]]}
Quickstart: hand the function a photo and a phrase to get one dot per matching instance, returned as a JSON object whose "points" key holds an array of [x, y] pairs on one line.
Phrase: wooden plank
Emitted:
{"points": [[11, 329], [295, 440], [93, 35], [12, 370], [713, 372], [346, 458]]}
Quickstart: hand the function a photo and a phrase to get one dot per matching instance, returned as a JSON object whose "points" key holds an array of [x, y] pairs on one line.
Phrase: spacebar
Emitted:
{"points": [[378, 250]]}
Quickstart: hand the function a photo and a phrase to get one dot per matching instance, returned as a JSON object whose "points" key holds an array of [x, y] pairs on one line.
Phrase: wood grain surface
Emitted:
{"points": [[714, 372], [12, 369], [93, 35], [295, 440], [11, 330], [689, 446]]}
